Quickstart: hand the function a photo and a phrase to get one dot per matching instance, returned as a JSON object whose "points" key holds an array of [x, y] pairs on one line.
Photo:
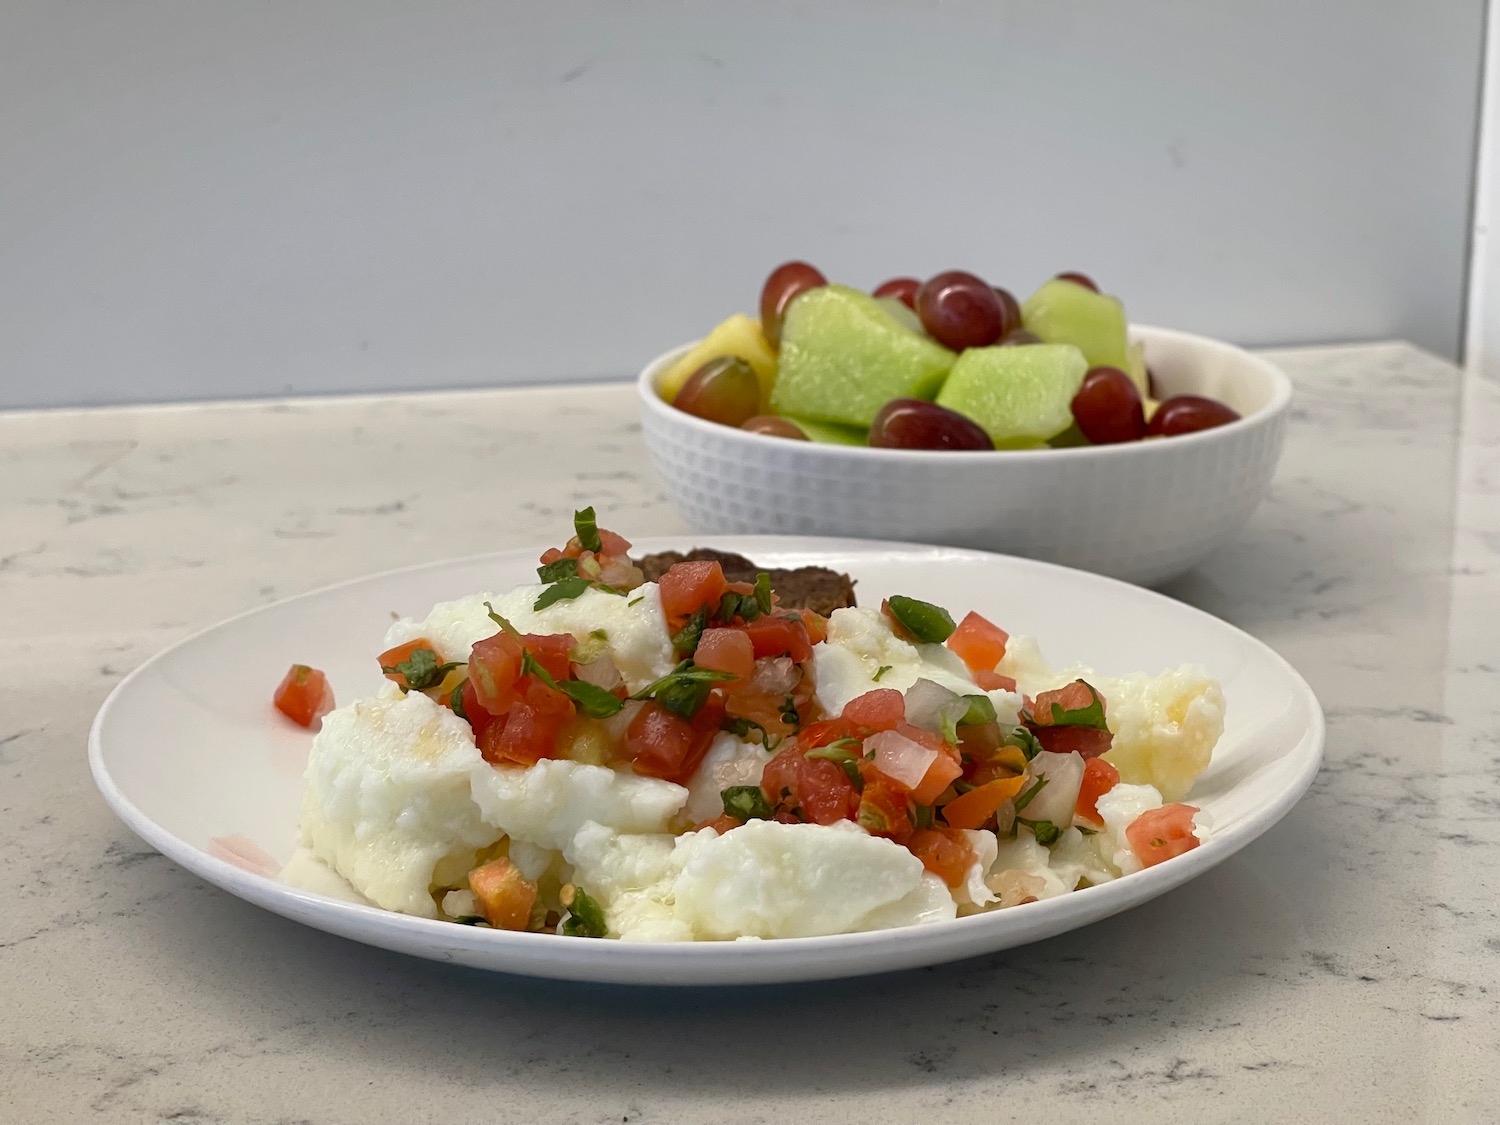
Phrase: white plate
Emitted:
{"points": [[190, 753]]}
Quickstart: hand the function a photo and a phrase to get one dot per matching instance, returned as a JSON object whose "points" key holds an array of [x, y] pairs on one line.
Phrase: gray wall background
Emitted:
{"points": [[223, 199]]}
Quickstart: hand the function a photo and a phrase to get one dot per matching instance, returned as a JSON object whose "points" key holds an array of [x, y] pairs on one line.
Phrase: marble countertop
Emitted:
{"points": [[1346, 967]]}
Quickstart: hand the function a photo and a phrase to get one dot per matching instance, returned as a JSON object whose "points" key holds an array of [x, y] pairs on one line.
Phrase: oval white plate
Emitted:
{"points": [[189, 751]]}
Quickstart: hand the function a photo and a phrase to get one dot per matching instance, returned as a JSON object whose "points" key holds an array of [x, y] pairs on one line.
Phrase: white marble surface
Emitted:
{"points": [[1344, 968]]}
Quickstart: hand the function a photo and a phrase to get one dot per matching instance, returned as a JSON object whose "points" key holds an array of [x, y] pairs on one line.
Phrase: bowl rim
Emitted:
{"points": [[1281, 396]]}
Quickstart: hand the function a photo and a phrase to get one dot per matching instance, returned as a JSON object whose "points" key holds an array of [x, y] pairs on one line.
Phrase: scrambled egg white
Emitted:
{"points": [[400, 804]]}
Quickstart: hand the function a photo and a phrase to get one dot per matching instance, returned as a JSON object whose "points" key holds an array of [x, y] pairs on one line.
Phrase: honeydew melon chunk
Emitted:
{"points": [[1021, 396], [1064, 312], [1135, 367], [843, 357], [831, 433], [739, 335]]}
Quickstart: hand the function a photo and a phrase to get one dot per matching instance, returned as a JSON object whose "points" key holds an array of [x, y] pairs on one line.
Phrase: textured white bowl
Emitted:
{"points": [[1142, 511]]}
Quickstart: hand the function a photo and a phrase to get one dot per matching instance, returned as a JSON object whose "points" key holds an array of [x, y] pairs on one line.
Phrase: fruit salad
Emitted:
{"points": [[595, 755], [950, 363]]}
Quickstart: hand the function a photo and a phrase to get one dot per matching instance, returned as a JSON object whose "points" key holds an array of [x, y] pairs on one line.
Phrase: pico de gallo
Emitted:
{"points": [[925, 768]]}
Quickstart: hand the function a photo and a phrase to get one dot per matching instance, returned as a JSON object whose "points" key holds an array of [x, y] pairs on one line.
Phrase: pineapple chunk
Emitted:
{"points": [[740, 336]]}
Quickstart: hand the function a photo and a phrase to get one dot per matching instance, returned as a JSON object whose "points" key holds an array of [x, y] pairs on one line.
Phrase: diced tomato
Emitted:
{"points": [[1162, 834], [487, 737], [947, 853], [880, 709], [1087, 741], [494, 668], [978, 643], [974, 808], [304, 695], [533, 722], [993, 681], [726, 650], [820, 789], [661, 744], [690, 586], [479, 718], [1070, 697], [401, 653], [759, 708], [780, 636], [613, 544], [504, 896], [1099, 777], [826, 732], [551, 651], [815, 624], [883, 808], [551, 555], [941, 774], [1090, 742]]}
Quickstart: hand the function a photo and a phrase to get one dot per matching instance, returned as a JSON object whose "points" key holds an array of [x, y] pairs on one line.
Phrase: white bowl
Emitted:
{"points": [[1142, 511]]}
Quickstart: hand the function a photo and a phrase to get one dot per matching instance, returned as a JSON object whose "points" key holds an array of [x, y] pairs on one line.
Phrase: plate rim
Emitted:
{"points": [[782, 960]]}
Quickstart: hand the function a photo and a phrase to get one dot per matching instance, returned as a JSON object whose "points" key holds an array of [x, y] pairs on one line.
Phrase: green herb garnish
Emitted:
{"points": [[1045, 831], [921, 816], [471, 920], [554, 571], [635, 601], [456, 700], [1024, 741], [685, 640], [789, 714], [592, 699], [684, 690], [745, 802], [842, 750], [1025, 798], [882, 670], [741, 728], [421, 669], [1091, 716], [505, 626], [564, 589], [733, 605], [585, 916], [587, 530], [928, 623], [763, 592]]}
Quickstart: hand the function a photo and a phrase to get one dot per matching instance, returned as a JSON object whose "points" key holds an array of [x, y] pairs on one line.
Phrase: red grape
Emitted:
{"points": [[773, 426], [910, 423], [1184, 414], [1021, 336], [1079, 279], [904, 289], [960, 311], [787, 280], [723, 390], [1010, 312], [1108, 408]]}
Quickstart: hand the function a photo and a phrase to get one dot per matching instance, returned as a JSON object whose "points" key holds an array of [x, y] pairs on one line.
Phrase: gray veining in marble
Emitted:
{"points": [[1346, 967]]}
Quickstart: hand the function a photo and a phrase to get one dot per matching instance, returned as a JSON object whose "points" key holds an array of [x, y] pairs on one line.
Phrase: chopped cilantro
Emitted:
{"points": [[684, 690], [882, 670], [745, 802], [1025, 798], [471, 920], [921, 816], [1091, 716], [789, 714], [592, 699], [420, 670], [456, 700], [928, 623], [554, 571], [1045, 831], [763, 592], [505, 626], [843, 750], [587, 530], [1024, 741], [742, 728], [564, 589], [635, 601], [685, 640]]}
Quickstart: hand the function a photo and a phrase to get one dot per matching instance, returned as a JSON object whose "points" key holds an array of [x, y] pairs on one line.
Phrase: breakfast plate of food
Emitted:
{"points": [[733, 760]]}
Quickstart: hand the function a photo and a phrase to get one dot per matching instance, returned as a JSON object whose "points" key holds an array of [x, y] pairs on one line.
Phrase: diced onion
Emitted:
{"points": [[927, 702], [899, 758], [1055, 801]]}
